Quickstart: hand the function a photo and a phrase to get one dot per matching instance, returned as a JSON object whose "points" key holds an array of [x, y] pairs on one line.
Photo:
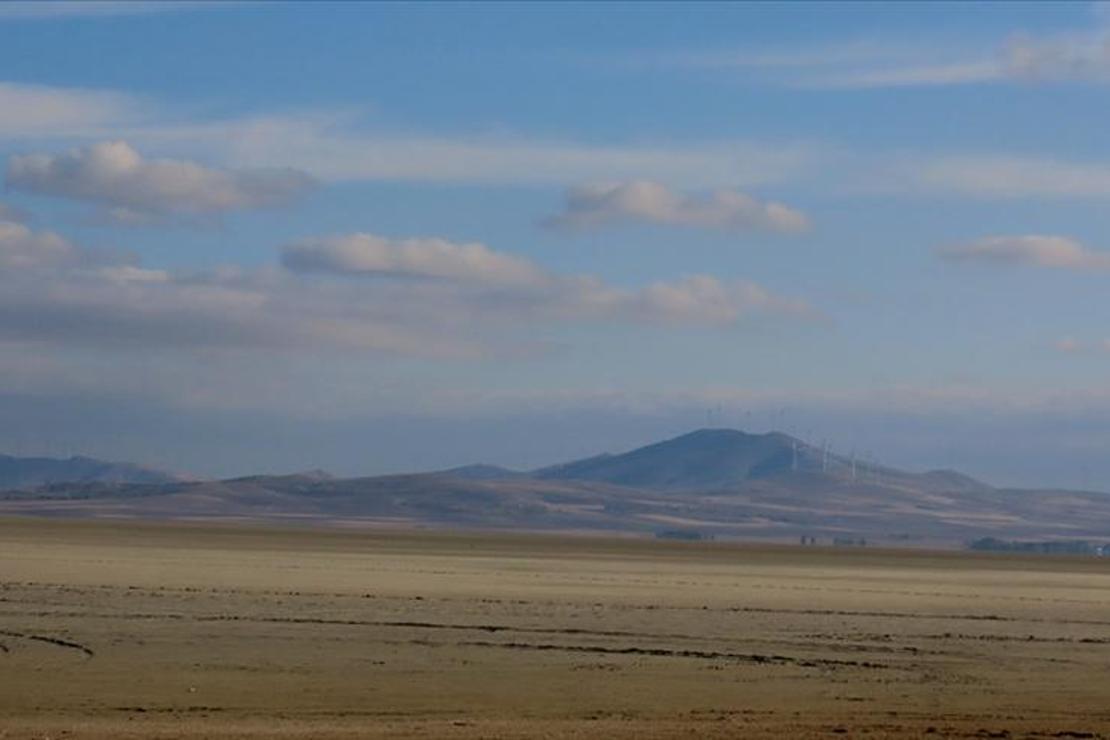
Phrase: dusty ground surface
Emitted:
{"points": [[135, 631]]}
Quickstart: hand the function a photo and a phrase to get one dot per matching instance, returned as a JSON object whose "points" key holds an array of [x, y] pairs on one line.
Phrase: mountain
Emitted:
{"points": [[33, 472], [712, 482], [705, 459], [711, 459]]}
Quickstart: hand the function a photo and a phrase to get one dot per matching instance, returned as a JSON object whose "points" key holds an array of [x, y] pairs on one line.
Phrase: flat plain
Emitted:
{"points": [[134, 630]]}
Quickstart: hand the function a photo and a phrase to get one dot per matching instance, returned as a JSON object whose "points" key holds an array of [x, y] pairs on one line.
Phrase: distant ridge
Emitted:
{"points": [[481, 471], [719, 483], [706, 458], [709, 459], [34, 472]]}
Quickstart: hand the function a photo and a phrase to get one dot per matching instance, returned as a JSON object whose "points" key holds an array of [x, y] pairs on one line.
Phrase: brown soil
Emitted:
{"points": [[112, 630]]}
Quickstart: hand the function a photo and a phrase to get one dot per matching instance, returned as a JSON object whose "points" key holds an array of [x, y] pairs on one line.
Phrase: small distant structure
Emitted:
{"points": [[686, 535], [849, 542]]}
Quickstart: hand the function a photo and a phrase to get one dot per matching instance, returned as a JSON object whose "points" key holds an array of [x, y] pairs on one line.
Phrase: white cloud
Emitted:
{"points": [[370, 254], [1057, 252], [601, 204], [121, 274], [693, 300], [409, 297], [128, 307], [339, 146], [703, 299], [55, 292], [21, 248], [487, 285], [116, 177], [334, 147]]}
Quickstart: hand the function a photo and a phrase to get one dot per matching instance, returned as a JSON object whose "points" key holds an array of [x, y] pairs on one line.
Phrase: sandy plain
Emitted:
{"points": [[129, 630]]}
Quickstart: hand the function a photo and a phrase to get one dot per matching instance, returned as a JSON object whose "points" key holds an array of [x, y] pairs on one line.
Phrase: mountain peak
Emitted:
{"points": [[702, 459], [715, 433], [728, 434]]}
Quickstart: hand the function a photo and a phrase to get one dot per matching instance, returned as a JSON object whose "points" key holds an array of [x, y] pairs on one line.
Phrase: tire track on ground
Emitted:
{"points": [[756, 658], [57, 641]]}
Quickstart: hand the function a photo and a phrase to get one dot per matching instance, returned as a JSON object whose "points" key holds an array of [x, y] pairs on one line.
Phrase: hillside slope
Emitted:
{"points": [[716, 483], [32, 472], [711, 459]]}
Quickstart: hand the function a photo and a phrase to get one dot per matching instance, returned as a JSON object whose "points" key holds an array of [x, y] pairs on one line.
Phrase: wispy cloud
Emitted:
{"points": [[1071, 345], [781, 58], [1010, 177], [486, 279], [708, 184], [859, 64], [967, 72], [132, 189], [334, 148], [22, 248], [1055, 252], [342, 146], [369, 254], [641, 201], [39, 111], [429, 298], [61, 9], [1082, 55]]}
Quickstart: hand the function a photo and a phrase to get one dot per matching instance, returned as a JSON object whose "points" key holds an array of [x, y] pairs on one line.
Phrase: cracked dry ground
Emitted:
{"points": [[113, 630]]}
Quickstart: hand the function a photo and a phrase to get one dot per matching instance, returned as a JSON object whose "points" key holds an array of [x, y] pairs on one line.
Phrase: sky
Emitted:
{"points": [[378, 238]]}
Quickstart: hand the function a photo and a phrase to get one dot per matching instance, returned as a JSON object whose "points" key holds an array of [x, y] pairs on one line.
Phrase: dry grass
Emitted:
{"points": [[129, 631]]}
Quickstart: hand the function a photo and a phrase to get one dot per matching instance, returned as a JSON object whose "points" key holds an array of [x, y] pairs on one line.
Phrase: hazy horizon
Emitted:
{"points": [[395, 238]]}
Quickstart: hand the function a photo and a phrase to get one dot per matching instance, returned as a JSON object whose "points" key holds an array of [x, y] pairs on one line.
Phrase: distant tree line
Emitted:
{"points": [[683, 534], [1052, 547]]}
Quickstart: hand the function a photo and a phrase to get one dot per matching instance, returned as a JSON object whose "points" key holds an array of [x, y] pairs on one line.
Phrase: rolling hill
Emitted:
{"points": [[713, 482], [710, 459], [32, 472]]}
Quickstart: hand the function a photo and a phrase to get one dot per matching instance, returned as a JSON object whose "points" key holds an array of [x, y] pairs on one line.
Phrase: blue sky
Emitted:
{"points": [[381, 237]]}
